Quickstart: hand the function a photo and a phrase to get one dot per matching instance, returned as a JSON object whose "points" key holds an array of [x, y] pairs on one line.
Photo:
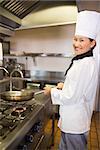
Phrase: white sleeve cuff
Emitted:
{"points": [[55, 96]]}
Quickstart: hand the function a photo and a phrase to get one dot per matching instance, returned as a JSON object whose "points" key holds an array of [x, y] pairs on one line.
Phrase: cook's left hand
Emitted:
{"points": [[47, 90], [60, 85]]}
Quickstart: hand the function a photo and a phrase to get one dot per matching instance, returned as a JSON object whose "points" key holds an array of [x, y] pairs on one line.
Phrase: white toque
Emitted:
{"points": [[87, 24]]}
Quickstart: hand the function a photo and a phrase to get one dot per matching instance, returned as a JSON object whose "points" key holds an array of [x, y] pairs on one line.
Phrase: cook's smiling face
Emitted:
{"points": [[82, 44]]}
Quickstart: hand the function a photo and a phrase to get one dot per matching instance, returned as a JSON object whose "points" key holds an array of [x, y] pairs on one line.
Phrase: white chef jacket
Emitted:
{"points": [[77, 98]]}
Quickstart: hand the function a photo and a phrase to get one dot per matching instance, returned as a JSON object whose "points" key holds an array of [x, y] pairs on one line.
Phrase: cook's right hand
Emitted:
{"points": [[60, 85], [47, 90]]}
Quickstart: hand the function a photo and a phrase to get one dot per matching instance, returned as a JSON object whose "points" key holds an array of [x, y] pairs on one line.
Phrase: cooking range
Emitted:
{"points": [[21, 124]]}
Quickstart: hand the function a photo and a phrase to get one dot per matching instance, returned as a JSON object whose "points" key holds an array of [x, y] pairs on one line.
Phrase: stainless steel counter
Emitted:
{"points": [[16, 138]]}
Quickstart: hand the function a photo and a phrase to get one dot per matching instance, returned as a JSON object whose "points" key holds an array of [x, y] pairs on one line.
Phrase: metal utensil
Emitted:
{"points": [[17, 96]]}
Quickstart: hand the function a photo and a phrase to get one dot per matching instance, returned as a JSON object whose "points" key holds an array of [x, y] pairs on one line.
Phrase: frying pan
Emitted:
{"points": [[17, 96]]}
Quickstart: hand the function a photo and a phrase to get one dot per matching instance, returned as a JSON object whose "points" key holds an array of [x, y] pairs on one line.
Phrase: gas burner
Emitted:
{"points": [[12, 114], [17, 104], [1, 115], [6, 126], [19, 109], [3, 107], [19, 112]]}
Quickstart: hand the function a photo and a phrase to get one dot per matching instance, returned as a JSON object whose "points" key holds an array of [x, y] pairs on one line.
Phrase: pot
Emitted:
{"points": [[17, 96]]}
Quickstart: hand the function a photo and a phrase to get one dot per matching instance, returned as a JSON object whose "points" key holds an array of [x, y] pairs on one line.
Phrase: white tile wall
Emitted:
{"points": [[44, 40]]}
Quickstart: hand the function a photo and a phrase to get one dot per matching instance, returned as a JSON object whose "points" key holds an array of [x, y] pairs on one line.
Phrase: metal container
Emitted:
{"points": [[17, 96]]}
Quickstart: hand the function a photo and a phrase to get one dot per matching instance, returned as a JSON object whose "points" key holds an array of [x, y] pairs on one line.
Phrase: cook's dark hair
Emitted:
{"points": [[94, 45]]}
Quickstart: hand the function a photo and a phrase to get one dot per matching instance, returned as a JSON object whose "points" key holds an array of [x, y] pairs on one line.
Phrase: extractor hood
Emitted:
{"points": [[59, 15], [11, 13], [36, 12], [7, 25], [20, 14]]}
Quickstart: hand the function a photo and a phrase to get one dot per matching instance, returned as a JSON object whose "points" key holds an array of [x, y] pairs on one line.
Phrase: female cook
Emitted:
{"points": [[76, 96]]}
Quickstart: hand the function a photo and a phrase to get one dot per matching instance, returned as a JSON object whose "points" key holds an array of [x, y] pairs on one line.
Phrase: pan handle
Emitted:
{"points": [[40, 92]]}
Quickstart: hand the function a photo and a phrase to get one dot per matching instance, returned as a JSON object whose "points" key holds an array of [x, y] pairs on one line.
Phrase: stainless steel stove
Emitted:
{"points": [[21, 124]]}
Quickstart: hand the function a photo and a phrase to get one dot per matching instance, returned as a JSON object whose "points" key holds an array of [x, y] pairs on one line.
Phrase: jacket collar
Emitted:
{"points": [[81, 56]]}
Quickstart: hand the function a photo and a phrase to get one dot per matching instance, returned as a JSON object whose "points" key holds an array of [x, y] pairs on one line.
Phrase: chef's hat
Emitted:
{"points": [[87, 24]]}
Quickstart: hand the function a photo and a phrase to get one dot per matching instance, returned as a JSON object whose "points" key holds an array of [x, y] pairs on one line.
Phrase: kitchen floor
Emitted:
{"points": [[94, 136]]}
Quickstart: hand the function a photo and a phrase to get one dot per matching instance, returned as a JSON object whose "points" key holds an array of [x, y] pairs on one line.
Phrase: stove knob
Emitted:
{"points": [[37, 127], [29, 138], [22, 147]]}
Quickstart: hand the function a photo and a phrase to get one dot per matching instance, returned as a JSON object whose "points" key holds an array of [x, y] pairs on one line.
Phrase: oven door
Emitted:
{"points": [[47, 139]]}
